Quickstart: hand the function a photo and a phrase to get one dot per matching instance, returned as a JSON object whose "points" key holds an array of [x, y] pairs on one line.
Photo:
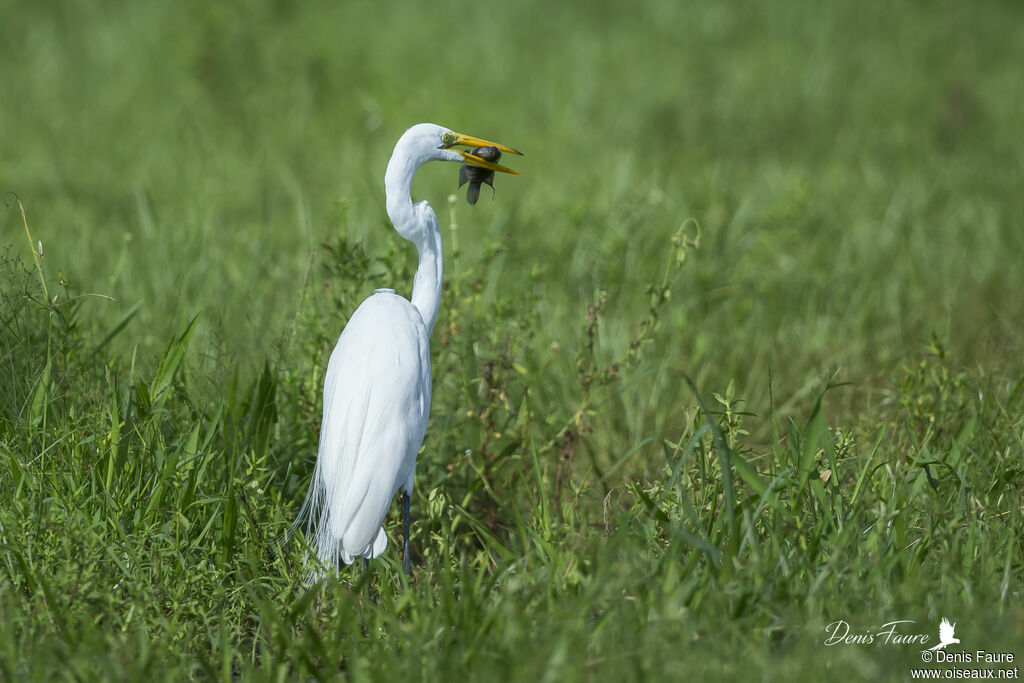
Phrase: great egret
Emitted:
{"points": [[377, 389]]}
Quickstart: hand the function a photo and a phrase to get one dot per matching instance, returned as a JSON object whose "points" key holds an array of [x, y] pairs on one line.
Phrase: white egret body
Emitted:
{"points": [[377, 388]]}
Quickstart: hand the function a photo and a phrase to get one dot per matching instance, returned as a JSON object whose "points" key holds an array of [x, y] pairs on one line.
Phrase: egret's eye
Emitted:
{"points": [[447, 140]]}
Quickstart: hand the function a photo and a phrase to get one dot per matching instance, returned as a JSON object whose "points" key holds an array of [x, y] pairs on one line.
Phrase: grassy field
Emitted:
{"points": [[737, 357]]}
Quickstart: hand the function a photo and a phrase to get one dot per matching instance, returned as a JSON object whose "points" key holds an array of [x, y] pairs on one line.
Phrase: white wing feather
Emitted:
{"points": [[376, 404]]}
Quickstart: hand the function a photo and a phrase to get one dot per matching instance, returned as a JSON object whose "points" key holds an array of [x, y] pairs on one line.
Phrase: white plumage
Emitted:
{"points": [[374, 434], [377, 387]]}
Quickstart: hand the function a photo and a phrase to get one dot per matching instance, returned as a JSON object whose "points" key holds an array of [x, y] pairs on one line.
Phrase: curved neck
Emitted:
{"points": [[426, 284], [418, 224]]}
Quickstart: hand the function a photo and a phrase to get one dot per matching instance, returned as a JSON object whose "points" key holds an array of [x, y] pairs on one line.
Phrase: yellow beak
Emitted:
{"points": [[470, 141]]}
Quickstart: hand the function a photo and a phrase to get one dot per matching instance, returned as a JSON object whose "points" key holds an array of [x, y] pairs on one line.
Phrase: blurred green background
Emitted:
{"points": [[855, 167]]}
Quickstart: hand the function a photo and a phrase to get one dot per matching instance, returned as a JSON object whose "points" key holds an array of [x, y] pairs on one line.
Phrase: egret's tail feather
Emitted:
{"points": [[326, 532]]}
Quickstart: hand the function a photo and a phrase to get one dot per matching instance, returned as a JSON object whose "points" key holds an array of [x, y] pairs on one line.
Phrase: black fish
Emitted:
{"points": [[475, 175]]}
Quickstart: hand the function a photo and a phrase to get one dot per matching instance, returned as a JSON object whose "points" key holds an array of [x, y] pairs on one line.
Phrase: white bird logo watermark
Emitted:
{"points": [[945, 635]]}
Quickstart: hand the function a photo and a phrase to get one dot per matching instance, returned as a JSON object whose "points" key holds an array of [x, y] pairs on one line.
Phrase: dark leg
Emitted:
{"points": [[406, 561], [366, 582]]}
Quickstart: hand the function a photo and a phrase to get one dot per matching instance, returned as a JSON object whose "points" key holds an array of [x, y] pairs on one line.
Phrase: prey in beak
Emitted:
{"points": [[480, 164], [477, 175]]}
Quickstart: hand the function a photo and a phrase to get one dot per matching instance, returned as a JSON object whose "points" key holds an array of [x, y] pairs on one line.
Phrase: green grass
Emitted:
{"points": [[737, 356]]}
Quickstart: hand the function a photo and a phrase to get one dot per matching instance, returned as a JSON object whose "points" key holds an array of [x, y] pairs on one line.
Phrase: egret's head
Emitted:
{"points": [[422, 143], [429, 142]]}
